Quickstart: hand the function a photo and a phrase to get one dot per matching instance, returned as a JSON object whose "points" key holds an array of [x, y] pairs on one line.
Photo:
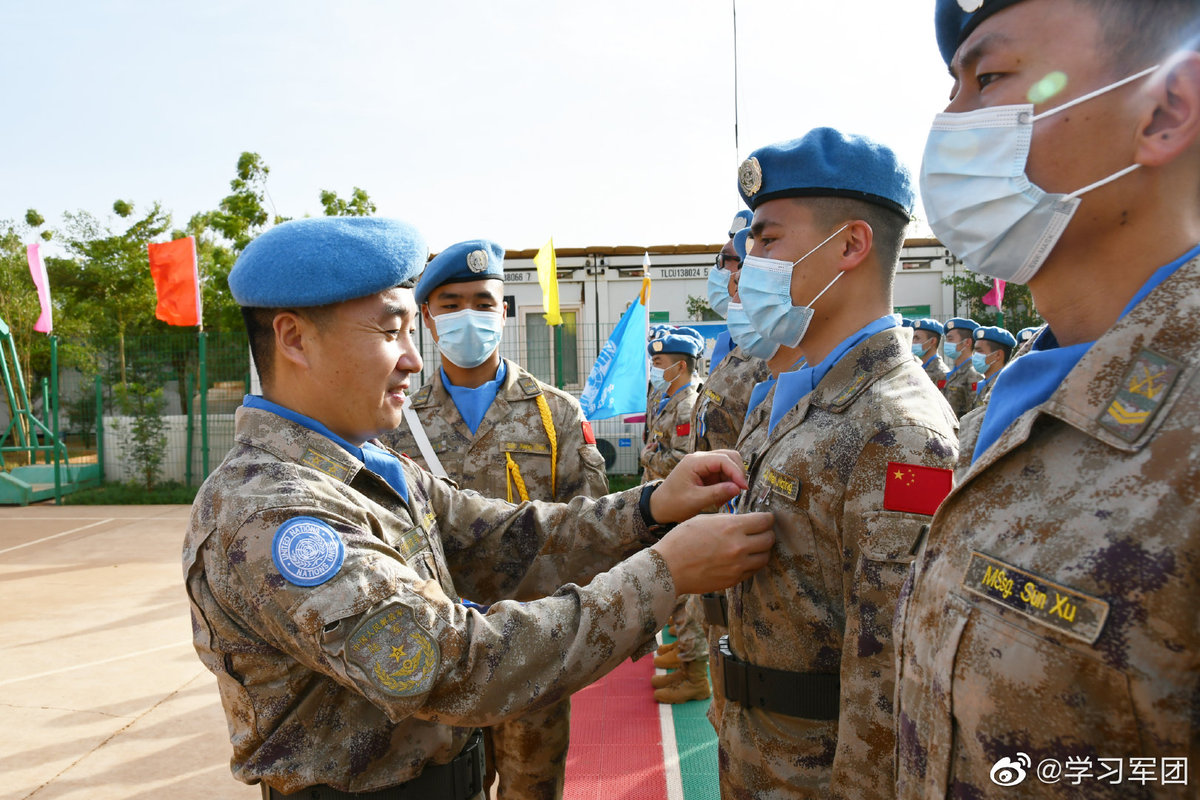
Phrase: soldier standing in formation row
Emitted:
{"points": [[958, 387], [1052, 617], [858, 446], [490, 426]]}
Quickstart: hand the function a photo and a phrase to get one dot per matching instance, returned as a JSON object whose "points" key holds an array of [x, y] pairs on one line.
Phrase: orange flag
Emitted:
{"points": [[176, 281]]}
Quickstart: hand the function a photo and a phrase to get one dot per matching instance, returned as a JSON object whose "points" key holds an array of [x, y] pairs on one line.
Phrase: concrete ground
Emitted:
{"points": [[101, 693]]}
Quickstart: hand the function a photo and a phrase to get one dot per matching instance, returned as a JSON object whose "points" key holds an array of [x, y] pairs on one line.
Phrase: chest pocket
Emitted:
{"points": [[892, 536], [513, 477]]}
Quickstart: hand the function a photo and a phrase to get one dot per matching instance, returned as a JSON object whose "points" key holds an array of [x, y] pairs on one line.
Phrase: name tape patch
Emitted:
{"points": [[782, 484], [306, 551], [525, 447], [400, 656], [713, 396], [1067, 611]]}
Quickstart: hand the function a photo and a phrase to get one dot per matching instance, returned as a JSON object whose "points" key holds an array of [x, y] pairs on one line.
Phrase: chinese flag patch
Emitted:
{"points": [[915, 489], [941, 384], [684, 429], [588, 436]]}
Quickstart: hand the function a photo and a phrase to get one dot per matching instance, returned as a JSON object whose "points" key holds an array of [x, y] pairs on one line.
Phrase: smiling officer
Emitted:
{"points": [[324, 572]]}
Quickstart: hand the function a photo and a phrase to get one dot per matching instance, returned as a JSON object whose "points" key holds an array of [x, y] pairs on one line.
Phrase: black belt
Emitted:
{"points": [[716, 608], [808, 695], [461, 779]]}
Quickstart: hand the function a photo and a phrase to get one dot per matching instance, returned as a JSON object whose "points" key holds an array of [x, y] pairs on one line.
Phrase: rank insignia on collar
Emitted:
{"points": [[325, 464], [423, 395], [1140, 394], [477, 260], [750, 176]]}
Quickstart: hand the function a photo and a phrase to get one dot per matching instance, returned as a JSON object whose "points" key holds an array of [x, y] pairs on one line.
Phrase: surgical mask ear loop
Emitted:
{"points": [[1122, 173], [822, 244]]}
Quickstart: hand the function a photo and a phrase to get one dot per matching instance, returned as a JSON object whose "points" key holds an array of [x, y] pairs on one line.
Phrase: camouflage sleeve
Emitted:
{"points": [[878, 545], [384, 628], [678, 430], [491, 545], [580, 465]]}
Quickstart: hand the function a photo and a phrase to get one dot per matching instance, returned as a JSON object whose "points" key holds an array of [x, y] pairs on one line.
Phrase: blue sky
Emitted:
{"points": [[598, 123]]}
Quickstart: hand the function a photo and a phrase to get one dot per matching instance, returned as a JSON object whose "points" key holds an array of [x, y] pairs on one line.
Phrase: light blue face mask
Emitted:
{"points": [[918, 350], [466, 338], [979, 362], [658, 378], [745, 336], [766, 291], [718, 289], [952, 353], [978, 199]]}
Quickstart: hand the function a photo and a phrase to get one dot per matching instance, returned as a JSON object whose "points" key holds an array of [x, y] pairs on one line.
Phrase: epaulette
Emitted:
{"points": [[423, 395], [529, 386]]}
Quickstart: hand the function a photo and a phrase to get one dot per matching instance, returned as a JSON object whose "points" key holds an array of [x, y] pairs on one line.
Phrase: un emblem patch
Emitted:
{"points": [[395, 651], [307, 551]]}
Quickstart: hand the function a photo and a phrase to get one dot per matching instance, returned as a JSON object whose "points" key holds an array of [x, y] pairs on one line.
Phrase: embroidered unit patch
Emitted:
{"points": [[1142, 391], [400, 656], [306, 551]]}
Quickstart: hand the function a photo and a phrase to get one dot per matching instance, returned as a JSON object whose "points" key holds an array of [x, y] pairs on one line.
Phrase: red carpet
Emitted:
{"points": [[616, 738]]}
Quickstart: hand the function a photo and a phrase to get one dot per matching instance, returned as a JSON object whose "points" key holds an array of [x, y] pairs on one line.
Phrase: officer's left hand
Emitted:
{"points": [[699, 481]]}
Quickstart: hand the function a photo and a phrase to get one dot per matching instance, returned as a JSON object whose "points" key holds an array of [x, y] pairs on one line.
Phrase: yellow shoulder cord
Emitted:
{"points": [[514, 476], [548, 424]]}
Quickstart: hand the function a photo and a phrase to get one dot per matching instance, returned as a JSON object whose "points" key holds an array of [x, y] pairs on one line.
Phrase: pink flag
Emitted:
{"points": [[37, 268], [996, 296]]}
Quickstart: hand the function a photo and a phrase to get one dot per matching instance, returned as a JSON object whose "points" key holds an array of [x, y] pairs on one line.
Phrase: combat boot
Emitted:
{"points": [[692, 686], [669, 660], [669, 679], [663, 649]]}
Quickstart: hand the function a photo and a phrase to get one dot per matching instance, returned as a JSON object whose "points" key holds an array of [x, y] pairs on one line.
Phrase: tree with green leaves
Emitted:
{"points": [[359, 204], [1018, 309]]}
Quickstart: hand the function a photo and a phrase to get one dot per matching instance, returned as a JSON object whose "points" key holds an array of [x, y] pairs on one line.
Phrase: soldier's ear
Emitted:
{"points": [[292, 334]]}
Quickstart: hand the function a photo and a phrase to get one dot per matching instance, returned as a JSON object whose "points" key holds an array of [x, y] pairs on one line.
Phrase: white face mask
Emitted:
{"points": [[766, 291], [978, 199], [468, 337]]}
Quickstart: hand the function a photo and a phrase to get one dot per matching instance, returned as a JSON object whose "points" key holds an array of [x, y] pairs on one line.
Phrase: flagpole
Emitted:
{"points": [[736, 145]]}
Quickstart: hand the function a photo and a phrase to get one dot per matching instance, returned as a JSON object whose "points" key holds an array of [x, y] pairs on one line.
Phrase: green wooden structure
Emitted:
{"points": [[56, 475]]}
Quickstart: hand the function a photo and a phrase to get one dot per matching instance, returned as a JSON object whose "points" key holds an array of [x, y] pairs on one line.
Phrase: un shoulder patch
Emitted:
{"points": [[307, 551], [1140, 394], [400, 656]]}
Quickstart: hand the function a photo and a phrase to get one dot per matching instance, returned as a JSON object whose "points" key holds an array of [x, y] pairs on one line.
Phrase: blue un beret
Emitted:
{"points": [[827, 163], [994, 334], [906, 322], [961, 324], [740, 220], [739, 242], [323, 260], [472, 260], [687, 341], [1025, 334], [928, 324], [955, 19]]}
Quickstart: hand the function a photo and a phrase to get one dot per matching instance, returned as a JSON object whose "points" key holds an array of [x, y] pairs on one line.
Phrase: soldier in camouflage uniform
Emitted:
{"points": [[857, 451], [927, 341], [673, 355], [961, 381], [531, 443], [993, 350], [324, 572], [1050, 642]]}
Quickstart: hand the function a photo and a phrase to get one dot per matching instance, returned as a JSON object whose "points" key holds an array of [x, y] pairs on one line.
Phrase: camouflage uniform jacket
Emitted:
{"points": [[959, 388], [513, 427], [720, 407], [670, 432], [983, 391], [936, 368], [1053, 611], [362, 679], [824, 602]]}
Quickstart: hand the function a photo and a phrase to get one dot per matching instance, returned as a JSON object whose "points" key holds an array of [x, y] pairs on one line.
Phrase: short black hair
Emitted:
{"points": [[887, 226], [260, 329], [1139, 33]]}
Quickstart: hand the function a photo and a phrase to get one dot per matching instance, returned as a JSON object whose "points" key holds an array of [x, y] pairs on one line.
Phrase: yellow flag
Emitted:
{"points": [[547, 268]]}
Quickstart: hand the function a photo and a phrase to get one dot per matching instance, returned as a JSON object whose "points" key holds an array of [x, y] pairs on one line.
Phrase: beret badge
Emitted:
{"points": [[477, 260], [658, 346], [970, 5], [750, 176]]}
